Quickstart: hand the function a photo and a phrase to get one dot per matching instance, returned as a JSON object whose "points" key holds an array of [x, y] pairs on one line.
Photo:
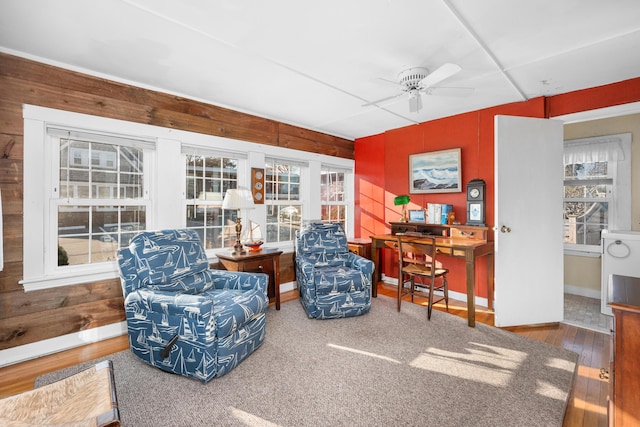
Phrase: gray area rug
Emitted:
{"points": [[381, 369]]}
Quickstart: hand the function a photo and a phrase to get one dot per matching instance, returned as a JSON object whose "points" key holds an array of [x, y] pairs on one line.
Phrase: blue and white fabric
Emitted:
{"points": [[332, 282], [219, 316]]}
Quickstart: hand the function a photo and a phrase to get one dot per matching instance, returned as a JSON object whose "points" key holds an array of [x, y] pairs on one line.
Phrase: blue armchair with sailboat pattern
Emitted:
{"points": [[183, 317], [332, 282]]}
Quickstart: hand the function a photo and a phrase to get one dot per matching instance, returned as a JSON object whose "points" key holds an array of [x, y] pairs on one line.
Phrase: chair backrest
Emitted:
{"points": [[417, 254], [322, 243], [170, 260]]}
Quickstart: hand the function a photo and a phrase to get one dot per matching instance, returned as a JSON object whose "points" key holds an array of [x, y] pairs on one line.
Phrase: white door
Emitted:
{"points": [[529, 257]]}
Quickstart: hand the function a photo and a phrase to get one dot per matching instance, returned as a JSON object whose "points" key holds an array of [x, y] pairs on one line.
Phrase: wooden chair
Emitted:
{"points": [[417, 262]]}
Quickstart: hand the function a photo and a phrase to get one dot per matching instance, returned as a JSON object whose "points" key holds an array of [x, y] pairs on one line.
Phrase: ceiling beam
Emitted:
{"points": [[484, 47]]}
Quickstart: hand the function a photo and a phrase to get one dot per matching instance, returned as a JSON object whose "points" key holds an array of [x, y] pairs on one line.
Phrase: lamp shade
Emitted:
{"points": [[401, 200], [237, 198]]}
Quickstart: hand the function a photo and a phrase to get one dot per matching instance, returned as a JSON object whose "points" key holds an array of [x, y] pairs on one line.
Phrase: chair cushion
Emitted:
{"points": [[193, 284], [337, 280]]}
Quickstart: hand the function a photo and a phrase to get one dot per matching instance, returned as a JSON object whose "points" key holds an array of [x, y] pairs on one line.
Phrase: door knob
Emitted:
{"points": [[505, 229]]}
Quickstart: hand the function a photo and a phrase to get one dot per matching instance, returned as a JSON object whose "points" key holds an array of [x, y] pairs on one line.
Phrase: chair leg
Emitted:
{"points": [[400, 285], [430, 306], [446, 292]]}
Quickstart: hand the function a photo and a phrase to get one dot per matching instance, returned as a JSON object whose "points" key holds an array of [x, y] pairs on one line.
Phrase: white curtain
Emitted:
{"points": [[591, 150]]}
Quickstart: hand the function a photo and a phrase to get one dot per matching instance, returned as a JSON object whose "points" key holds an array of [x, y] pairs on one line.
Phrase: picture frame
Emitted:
{"points": [[417, 215], [435, 172]]}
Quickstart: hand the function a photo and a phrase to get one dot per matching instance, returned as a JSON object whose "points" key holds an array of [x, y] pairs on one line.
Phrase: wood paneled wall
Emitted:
{"points": [[34, 316]]}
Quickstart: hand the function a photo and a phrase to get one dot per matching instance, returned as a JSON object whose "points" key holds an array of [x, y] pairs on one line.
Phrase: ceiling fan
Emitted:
{"points": [[417, 80]]}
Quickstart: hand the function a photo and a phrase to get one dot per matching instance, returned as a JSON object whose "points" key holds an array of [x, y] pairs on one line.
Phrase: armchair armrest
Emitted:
{"points": [[223, 279], [361, 263]]}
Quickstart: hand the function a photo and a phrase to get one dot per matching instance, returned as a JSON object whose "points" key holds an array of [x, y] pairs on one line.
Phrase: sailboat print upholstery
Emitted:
{"points": [[332, 282], [216, 318]]}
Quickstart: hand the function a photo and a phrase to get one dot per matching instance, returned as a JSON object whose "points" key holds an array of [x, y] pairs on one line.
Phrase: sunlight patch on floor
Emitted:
{"points": [[549, 390], [590, 407], [565, 365], [486, 364], [366, 353], [251, 420]]}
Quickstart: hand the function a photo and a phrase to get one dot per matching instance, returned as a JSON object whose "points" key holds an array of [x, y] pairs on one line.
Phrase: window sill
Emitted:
{"points": [[106, 272], [59, 280], [582, 253]]}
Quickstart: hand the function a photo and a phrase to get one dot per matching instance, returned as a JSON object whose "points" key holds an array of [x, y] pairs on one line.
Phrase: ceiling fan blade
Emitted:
{"points": [[443, 72], [459, 92], [382, 100]]}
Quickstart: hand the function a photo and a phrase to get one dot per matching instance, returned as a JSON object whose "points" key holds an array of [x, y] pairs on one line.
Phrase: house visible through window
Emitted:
{"points": [[99, 196], [282, 200], [332, 196], [596, 189], [207, 180]]}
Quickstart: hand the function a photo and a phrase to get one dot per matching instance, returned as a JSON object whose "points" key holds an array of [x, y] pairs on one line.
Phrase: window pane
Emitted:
{"points": [[282, 181], [586, 170], [584, 190], [584, 222], [90, 234], [282, 222]]}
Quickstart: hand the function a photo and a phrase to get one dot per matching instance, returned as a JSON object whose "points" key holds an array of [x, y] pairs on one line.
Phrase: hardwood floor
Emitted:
{"points": [[586, 406]]}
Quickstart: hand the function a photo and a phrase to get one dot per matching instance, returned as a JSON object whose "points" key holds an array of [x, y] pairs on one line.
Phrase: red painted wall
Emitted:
{"points": [[382, 163]]}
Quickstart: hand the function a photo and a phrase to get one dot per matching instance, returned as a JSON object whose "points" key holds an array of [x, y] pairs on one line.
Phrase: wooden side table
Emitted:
{"points": [[266, 260], [360, 246]]}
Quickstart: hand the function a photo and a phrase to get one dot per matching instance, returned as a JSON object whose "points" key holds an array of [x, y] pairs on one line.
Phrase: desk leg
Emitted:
{"points": [[375, 257], [276, 276], [471, 288]]}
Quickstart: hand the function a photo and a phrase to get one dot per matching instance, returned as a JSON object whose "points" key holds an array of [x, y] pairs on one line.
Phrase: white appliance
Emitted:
{"points": [[620, 255]]}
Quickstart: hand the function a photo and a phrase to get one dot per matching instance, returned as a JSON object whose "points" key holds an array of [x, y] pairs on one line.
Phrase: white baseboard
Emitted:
{"points": [[583, 292], [34, 350], [286, 287], [459, 296]]}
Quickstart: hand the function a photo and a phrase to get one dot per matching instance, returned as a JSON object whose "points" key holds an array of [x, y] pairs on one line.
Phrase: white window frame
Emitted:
{"points": [[241, 159], [345, 201], [55, 201], [166, 192], [619, 170], [303, 188]]}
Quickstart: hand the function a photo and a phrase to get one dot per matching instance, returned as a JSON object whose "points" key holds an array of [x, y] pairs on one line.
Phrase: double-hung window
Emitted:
{"points": [[283, 188], [596, 189], [332, 195], [208, 177], [99, 197]]}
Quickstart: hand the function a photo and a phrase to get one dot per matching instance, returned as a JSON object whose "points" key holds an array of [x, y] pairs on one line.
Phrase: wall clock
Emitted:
{"points": [[257, 185], [476, 202]]}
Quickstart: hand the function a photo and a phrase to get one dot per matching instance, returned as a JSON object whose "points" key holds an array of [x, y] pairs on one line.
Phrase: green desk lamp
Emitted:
{"points": [[402, 200]]}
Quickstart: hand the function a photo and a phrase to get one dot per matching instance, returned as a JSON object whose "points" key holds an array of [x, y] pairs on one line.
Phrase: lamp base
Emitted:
{"points": [[238, 249]]}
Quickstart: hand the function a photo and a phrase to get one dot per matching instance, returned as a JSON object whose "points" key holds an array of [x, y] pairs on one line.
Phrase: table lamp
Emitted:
{"points": [[402, 200], [238, 199]]}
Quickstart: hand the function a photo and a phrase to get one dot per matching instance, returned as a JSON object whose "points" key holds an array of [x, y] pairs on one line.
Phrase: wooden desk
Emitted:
{"points": [[265, 261], [469, 249]]}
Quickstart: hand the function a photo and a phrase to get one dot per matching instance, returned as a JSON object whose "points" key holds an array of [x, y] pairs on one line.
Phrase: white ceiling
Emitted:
{"points": [[314, 64]]}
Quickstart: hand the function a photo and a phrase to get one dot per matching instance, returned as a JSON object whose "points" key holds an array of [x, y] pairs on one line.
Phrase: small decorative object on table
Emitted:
{"points": [[254, 238]]}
